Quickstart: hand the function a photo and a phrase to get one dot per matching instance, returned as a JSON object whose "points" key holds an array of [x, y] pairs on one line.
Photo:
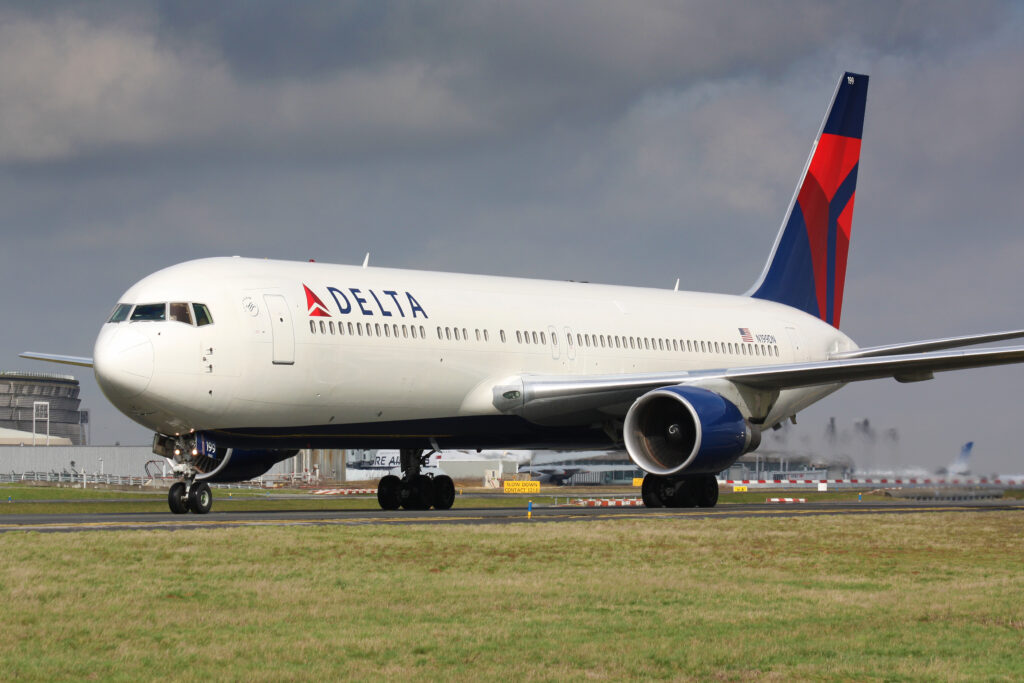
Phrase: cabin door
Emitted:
{"points": [[281, 329]]}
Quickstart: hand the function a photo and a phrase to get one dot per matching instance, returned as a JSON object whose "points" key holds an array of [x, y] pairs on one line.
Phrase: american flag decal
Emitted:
{"points": [[745, 335]]}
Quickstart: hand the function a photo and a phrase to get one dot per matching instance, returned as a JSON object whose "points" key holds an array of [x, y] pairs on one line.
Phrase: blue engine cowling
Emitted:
{"points": [[235, 464], [683, 429]]}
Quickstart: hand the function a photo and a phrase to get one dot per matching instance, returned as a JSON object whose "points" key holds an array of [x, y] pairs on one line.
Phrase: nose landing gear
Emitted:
{"points": [[415, 490], [195, 497]]}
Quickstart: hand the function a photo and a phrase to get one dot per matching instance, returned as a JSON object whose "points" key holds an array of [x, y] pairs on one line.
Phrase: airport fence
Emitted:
{"points": [[85, 479]]}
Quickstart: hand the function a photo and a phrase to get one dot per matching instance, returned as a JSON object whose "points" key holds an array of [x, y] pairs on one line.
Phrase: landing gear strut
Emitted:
{"points": [[696, 490], [415, 490], [195, 496]]}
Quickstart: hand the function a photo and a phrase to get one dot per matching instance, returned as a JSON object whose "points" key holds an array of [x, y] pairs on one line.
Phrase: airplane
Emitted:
{"points": [[960, 466], [236, 362]]}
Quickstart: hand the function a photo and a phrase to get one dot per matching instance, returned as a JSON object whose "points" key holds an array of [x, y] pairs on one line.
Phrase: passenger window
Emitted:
{"points": [[203, 316], [120, 314], [144, 312], [423, 333], [501, 333], [543, 338], [323, 327], [487, 336], [387, 331], [312, 326]]}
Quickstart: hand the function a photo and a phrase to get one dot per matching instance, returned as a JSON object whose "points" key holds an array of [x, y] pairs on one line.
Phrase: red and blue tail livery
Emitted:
{"points": [[807, 267]]}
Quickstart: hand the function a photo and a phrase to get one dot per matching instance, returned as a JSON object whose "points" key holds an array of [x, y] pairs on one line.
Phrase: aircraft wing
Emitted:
{"points": [[55, 358], [928, 345], [567, 393]]}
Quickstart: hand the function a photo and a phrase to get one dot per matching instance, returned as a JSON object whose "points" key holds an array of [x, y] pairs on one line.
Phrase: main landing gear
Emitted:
{"points": [[415, 490], [194, 496], [696, 490]]}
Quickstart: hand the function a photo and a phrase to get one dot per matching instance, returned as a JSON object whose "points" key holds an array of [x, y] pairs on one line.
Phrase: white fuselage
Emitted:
{"points": [[265, 362]]}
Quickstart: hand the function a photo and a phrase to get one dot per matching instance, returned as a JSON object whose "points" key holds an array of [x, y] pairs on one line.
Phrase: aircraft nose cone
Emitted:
{"points": [[123, 363]]}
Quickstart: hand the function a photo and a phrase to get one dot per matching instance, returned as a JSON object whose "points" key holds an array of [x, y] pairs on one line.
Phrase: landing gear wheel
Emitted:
{"points": [[444, 492], [389, 492], [177, 498], [683, 496], [417, 493], [200, 498], [705, 490], [653, 491]]}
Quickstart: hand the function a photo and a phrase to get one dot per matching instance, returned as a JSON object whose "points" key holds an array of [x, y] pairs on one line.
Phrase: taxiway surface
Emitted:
{"points": [[71, 522]]}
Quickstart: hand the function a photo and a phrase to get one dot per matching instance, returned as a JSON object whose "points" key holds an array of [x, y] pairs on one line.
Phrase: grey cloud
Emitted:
{"points": [[627, 143]]}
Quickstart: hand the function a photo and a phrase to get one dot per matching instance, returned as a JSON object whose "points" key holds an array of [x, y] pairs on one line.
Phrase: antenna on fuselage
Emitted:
{"points": [[677, 286], [366, 261]]}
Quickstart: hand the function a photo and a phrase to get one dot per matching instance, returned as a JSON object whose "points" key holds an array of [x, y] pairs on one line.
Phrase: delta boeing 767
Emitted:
{"points": [[235, 363]]}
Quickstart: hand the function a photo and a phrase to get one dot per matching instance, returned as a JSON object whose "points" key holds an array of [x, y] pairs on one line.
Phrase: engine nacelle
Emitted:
{"points": [[216, 464], [687, 429], [234, 464]]}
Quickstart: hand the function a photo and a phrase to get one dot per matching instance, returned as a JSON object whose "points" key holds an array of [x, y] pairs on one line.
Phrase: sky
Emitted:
{"points": [[618, 142]]}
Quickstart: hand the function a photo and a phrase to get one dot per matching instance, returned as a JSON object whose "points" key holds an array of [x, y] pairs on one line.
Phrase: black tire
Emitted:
{"points": [[705, 490], [177, 498], [389, 492], [444, 492], [652, 491], [683, 496], [418, 493], [200, 498]]}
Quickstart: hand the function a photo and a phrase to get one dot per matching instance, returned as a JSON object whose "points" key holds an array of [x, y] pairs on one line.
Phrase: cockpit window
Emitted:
{"points": [[120, 313], [179, 312], [150, 312], [203, 316]]}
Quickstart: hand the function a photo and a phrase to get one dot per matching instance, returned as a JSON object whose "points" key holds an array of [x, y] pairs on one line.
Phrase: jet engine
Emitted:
{"points": [[686, 430], [234, 464], [215, 464]]}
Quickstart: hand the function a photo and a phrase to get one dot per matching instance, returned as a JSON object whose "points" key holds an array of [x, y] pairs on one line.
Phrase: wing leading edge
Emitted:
{"points": [[56, 358]]}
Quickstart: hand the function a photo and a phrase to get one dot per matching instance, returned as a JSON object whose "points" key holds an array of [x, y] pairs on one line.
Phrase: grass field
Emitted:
{"points": [[878, 597]]}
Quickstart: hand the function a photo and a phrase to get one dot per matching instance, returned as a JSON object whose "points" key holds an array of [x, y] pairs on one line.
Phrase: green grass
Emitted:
{"points": [[877, 597]]}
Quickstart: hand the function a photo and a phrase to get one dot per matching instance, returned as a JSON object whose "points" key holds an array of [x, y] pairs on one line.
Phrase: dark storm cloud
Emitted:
{"points": [[617, 142]]}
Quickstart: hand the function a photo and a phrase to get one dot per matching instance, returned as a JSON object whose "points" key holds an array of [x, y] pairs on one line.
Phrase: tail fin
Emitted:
{"points": [[807, 267]]}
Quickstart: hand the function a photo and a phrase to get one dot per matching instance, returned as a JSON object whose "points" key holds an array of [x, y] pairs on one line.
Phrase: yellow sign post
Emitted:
{"points": [[513, 486]]}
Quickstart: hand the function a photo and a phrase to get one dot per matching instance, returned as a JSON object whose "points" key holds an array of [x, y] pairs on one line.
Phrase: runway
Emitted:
{"points": [[72, 522]]}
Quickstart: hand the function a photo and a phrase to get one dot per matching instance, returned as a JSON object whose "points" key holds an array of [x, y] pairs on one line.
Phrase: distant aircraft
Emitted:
{"points": [[959, 466], [236, 362]]}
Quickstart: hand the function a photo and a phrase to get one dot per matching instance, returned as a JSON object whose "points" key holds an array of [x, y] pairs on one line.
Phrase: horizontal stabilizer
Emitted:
{"points": [[927, 345], [55, 358]]}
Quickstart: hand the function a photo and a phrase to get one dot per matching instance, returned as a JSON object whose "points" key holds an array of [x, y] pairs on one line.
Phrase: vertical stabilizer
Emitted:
{"points": [[807, 268]]}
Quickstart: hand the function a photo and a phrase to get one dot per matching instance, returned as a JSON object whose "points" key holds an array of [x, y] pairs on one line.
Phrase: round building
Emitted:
{"points": [[21, 391]]}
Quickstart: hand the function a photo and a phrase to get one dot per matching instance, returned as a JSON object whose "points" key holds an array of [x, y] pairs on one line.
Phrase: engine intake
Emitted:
{"points": [[686, 429]]}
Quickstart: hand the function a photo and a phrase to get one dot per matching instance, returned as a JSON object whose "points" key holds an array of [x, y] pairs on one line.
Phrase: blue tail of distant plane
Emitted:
{"points": [[807, 268]]}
